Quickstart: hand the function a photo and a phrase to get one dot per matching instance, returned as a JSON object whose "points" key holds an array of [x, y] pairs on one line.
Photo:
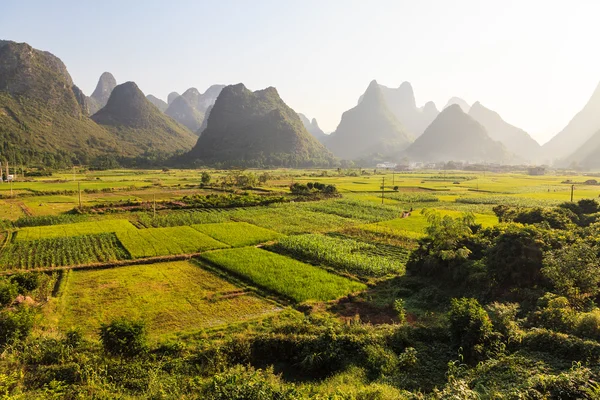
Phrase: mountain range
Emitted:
{"points": [[46, 119]]}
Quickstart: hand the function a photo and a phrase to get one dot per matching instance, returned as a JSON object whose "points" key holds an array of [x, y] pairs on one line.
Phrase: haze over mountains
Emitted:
{"points": [[369, 128], [454, 135], [45, 118], [580, 129]]}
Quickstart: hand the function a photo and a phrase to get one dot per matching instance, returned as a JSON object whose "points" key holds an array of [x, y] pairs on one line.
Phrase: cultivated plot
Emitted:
{"points": [[171, 297], [283, 275], [237, 234]]}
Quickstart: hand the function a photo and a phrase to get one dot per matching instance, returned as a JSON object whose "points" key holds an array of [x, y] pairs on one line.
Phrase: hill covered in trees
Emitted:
{"points": [[248, 128]]}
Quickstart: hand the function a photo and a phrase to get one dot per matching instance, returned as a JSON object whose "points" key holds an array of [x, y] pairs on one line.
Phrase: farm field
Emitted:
{"points": [[153, 242], [237, 234], [283, 275], [172, 298], [351, 286]]}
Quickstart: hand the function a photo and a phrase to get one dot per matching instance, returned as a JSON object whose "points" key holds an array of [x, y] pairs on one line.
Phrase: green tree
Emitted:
{"points": [[574, 271], [205, 178]]}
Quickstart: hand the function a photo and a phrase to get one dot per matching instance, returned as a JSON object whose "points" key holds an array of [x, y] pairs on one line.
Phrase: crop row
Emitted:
{"points": [[345, 255], [62, 251], [362, 211], [77, 229]]}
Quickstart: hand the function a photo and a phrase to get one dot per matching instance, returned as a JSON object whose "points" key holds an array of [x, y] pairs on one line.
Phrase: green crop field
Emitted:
{"points": [[345, 255], [284, 275], [237, 234], [62, 251], [77, 229], [171, 297], [166, 241]]}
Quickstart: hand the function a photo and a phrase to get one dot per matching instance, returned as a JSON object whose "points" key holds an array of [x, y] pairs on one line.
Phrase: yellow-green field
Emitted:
{"points": [[173, 297]]}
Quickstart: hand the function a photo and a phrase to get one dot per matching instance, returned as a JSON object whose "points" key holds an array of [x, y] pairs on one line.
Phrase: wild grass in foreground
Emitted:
{"points": [[345, 255], [283, 275]]}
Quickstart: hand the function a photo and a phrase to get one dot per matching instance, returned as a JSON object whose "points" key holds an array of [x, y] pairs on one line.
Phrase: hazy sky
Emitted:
{"points": [[536, 62]]}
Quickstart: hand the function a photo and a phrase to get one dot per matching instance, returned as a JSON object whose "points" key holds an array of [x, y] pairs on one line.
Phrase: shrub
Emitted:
{"points": [[574, 270], [503, 317], [8, 292], [15, 325], [400, 310], [247, 383], [554, 312], [26, 281], [123, 337], [470, 326], [588, 325]]}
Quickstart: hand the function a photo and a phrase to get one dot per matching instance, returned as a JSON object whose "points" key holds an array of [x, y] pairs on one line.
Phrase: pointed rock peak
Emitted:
{"points": [[128, 92], [105, 86], [314, 122], [191, 92], [373, 93], [172, 96]]}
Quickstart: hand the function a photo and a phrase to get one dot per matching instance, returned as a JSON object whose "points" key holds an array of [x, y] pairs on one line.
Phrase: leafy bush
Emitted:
{"points": [[504, 320], [588, 325], [26, 281], [15, 325], [124, 337], [554, 312], [470, 326], [247, 383], [8, 292], [574, 271]]}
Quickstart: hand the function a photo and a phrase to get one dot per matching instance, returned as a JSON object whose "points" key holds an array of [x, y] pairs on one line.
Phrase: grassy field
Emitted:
{"points": [[152, 242], [171, 297], [237, 234], [286, 276]]}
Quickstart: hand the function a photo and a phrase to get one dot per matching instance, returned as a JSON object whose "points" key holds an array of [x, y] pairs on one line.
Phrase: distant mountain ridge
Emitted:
{"points": [[579, 130], [402, 103], [313, 128], [455, 136], [369, 128], [190, 108], [516, 140], [254, 129], [160, 104]]}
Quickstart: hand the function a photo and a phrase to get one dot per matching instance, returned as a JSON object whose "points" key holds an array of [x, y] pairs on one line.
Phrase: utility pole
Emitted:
{"points": [[572, 188], [79, 190], [382, 188], [154, 205], [393, 178], [11, 192]]}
